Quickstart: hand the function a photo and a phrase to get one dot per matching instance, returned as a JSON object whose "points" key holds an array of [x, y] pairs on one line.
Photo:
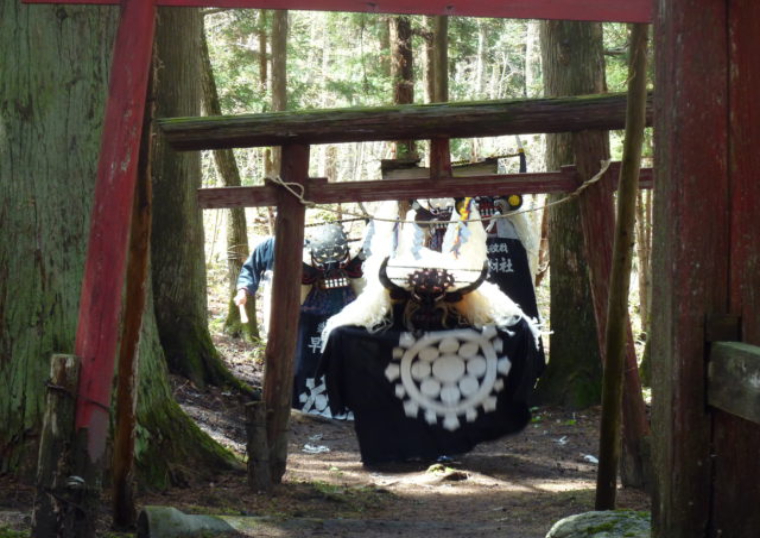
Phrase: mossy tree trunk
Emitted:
{"points": [[573, 65], [52, 101], [177, 250], [52, 96]]}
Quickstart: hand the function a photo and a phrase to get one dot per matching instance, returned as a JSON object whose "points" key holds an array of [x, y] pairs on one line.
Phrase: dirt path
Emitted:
{"points": [[516, 486]]}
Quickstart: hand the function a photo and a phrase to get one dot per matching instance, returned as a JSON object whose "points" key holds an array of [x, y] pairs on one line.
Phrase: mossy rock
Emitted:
{"points": [[609, 524]]}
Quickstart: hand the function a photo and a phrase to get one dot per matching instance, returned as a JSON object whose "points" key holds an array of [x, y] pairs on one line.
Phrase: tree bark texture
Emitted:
{"points": [[177, 251], [52, 101], [263, 56], [572, 65], [237, 236], [279, 73], [402, 74], [429, 60]]}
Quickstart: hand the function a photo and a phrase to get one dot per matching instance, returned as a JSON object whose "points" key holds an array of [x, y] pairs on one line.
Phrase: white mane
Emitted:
{"points": [[372, 309]]}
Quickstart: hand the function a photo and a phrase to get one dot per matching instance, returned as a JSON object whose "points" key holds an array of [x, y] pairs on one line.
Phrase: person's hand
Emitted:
{"points": [[241, 298]]}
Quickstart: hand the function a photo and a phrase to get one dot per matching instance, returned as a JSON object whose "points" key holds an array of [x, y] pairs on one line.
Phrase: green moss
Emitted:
{"points": [[5, 532], [176, 438]]}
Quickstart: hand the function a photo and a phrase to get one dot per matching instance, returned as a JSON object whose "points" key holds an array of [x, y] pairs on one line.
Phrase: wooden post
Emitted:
{"points": [[124, 511], [690, 257], [618, 325], [257, 447], [440, 149], [100, 309], [736, 441], [53, 467], [283, 330], [596, 205]]}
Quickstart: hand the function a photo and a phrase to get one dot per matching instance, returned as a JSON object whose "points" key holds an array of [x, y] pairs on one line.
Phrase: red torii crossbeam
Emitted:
{"points": [[581, 10]]}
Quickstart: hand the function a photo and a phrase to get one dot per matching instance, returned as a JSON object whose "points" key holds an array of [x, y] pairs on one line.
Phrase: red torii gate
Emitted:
{"points": [[101, 304], [707, 74]]}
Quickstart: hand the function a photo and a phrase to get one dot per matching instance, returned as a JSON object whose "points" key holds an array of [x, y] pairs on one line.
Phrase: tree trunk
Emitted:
{"points": [[237, 236], [429, 61], [279, 73], [644, 252], [532, 57], [402, 74], [578, 47], [571, 61], [266, 153], [52, 101], [263, 56], [177, 251], [54, 98]]}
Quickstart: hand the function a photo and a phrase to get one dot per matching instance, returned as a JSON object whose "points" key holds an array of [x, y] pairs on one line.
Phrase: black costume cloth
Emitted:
{"points": [[309, 394], [430, 395], [509, 269]]}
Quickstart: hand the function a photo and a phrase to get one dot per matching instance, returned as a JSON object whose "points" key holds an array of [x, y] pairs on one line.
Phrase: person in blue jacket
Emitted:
{"points": [[328, 282]]}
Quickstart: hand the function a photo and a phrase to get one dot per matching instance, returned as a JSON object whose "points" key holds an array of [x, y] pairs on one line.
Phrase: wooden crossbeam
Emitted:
{"points": [[405, 122], [583, 10], [319, 191]]}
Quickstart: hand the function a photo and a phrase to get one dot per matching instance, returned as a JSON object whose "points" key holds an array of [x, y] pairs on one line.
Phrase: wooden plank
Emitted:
{"points": [[320, 192], [101, 300], [722, 327], [403, 122], [736, 441], [389, 171], [691, 248], [286, 301], [123, 487], [745, 163], [734, 380], [585, 10]]}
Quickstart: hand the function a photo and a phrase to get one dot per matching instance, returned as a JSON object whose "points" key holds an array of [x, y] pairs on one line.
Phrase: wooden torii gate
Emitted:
{"points": [[98, 328], [296, 131]]}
